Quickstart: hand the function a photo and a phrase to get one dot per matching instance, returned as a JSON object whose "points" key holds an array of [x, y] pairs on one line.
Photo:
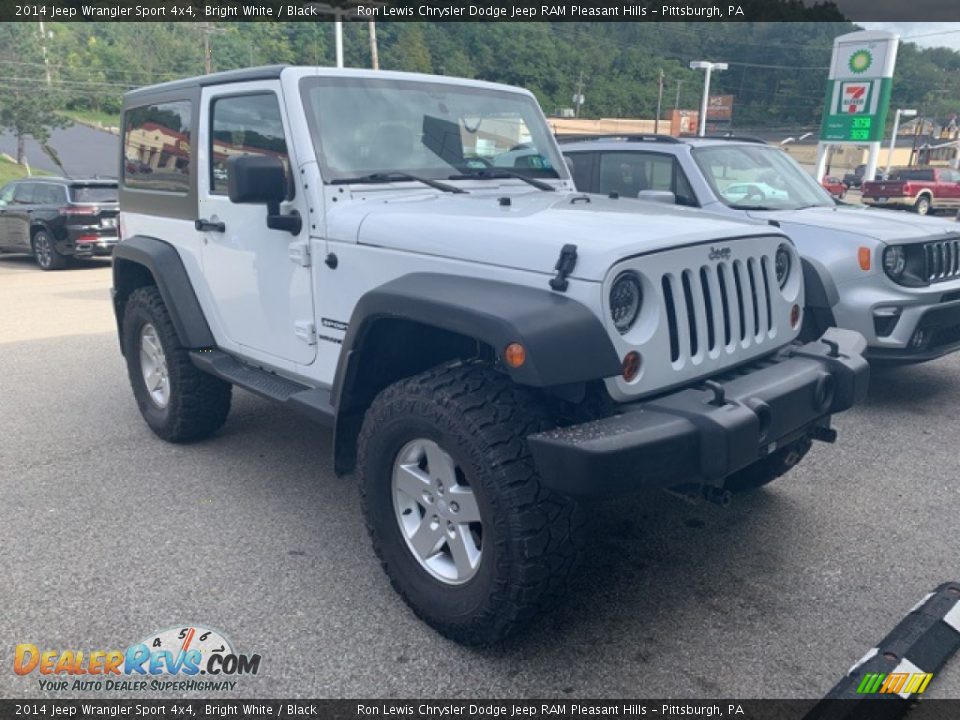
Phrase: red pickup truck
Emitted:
{"points": [[919, 189]]}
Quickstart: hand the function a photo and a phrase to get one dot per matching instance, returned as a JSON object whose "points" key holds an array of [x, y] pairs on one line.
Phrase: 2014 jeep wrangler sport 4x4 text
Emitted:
{"points": [[405, 259]]}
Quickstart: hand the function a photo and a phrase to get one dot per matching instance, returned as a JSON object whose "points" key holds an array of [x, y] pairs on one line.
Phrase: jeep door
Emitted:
{"points": [[258, 278]]}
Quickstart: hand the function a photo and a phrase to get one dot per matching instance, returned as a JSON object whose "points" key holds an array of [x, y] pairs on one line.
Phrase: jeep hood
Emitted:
{"points": [[887, 226], [529, 232]]}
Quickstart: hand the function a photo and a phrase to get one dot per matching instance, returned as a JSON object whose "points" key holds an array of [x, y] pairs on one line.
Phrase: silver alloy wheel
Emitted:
{"points": [[43, 250], [153, 366], [438, 514]]}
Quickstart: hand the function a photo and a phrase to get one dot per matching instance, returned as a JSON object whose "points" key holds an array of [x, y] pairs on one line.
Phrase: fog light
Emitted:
{"points": [[795, 316], [917, 340], [515, 355], [631, 365]]}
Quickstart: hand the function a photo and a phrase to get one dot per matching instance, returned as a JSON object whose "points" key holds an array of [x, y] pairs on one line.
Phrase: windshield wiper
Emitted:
{"points": [[750, 207], [392, 175], [500, 174]]}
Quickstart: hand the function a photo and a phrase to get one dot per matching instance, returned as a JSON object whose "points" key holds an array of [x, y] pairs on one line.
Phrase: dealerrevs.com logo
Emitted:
{"points": [[169, 660]]}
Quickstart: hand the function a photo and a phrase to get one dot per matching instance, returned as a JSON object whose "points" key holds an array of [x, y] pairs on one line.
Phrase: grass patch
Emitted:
{"points": [[93, 117], [11, 171]]}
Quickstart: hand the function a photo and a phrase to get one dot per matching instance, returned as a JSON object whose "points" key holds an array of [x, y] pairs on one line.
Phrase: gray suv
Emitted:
{"points": [[894, 278]]}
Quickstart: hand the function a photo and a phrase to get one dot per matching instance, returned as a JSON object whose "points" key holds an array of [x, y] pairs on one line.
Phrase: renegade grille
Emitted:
{"points": [[719, 306], [942, 260]]}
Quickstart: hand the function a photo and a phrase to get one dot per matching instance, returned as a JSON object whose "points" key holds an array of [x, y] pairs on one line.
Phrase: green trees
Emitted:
{"points": [[777, 70], [27, 106]]}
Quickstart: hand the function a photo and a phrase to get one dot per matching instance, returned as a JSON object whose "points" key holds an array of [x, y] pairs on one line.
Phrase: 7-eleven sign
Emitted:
{"points": [[853, 98]]}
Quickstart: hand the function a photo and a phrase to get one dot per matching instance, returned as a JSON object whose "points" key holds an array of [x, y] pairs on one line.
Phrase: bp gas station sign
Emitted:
{"points": [[858, 92]]}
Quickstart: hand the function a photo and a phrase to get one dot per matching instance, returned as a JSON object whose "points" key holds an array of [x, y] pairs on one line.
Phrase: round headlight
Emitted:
{"points": [[781, 263], [625, 299], [894, 261]]}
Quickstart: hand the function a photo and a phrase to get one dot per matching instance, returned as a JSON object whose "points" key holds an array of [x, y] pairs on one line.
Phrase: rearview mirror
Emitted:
{"points": [[256, 180], [262, 180]]}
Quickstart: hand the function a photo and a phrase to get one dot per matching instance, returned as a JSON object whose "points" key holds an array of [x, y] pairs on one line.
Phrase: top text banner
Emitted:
{"points": [[480, 11]]}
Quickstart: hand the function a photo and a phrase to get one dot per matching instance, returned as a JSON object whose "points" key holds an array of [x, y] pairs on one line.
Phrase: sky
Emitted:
{"points": [[927, 34]]}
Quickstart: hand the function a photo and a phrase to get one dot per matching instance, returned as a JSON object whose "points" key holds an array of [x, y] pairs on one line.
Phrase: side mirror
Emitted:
{"points": [[660, 196], [262, 180]]}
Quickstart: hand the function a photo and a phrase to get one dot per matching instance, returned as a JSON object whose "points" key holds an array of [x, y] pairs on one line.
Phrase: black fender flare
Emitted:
{"points": [[161, 260], [820, 290], [565, 342]]}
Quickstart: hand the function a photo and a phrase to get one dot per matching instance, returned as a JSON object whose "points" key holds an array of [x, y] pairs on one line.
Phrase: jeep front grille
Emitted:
{"points": [[942, 260], [718, 307]]}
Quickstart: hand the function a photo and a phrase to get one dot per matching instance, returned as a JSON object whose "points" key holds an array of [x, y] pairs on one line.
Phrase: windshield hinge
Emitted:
{"points": [[299, 253], [306, 330], [565, 265]]}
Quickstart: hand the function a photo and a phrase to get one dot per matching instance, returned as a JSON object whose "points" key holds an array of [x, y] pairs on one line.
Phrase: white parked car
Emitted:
{"points": [[487, 344]]}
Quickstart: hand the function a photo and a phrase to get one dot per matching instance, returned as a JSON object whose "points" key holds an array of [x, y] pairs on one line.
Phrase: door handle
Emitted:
{"points": [[205, 225]]}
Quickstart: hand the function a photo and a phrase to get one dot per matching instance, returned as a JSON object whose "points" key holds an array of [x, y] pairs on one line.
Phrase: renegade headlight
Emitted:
{"points": [[894, 261], [781, 263], [625, 300]]}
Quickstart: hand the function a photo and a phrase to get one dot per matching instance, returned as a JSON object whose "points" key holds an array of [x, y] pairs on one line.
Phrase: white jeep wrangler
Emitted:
{"points": [[404, 258]]}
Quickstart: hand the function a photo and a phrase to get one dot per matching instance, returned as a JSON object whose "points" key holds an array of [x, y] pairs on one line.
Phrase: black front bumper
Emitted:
{"points": [[941, 335], [703, 434]]}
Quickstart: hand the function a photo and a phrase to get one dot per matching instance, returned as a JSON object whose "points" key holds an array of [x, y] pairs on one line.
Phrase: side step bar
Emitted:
{"points": [[311, 402]]}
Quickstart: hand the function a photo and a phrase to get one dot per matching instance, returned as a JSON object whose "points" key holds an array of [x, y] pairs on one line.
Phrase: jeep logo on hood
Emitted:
{"points": [[721, 253]]}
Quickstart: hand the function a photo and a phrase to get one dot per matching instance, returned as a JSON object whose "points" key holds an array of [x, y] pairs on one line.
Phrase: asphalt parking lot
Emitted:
{"points": [[108, 534]]}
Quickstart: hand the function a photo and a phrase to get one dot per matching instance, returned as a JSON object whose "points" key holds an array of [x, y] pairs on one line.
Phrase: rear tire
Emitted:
{"points": [[45, 252], [765, 471], [181, 403], [527, 540], [922, 205]]}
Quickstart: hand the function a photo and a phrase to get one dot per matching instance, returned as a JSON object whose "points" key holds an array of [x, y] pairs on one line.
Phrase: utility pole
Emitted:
{"points": [[578, 96], [206, 30], [374, 55], [43, 48], [656, 120], [676, 100]]}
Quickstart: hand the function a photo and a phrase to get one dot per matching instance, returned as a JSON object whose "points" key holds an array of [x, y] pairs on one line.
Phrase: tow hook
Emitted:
{"points": [[824, 434], [717, 496]]}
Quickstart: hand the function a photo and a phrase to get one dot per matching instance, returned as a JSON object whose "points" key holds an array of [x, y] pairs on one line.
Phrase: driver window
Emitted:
{"points": [[23, 195], [6, 195], [630, 173], [245, 125]]}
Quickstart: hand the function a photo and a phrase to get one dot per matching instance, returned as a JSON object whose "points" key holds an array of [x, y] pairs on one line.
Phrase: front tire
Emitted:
{"points": [[45, 252], [922, 205], [179, 402], [463, 527]]}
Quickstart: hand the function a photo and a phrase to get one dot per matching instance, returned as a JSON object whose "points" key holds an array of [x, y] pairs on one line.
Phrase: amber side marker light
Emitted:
{"points": [[631, 365], [863, 256], [515, 355]]}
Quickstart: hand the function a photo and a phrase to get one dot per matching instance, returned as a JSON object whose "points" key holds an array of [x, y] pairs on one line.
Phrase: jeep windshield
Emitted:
{"points": [[365, 128], [758, 177]]}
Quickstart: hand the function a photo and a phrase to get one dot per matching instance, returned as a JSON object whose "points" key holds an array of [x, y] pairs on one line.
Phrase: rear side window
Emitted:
{"points": [[245, 125], [912, 175], [582, 170], [93, 193], [156, 147], [49, 195]]}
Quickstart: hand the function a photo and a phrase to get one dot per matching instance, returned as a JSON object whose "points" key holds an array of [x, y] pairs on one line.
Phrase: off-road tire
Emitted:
{"points": [[45, 252], [923, 206], [199, 402], [765, 471], [532, 537]]}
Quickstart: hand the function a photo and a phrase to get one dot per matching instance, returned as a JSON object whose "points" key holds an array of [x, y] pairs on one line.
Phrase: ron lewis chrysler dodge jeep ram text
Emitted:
{"points": [[384, 253]]}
